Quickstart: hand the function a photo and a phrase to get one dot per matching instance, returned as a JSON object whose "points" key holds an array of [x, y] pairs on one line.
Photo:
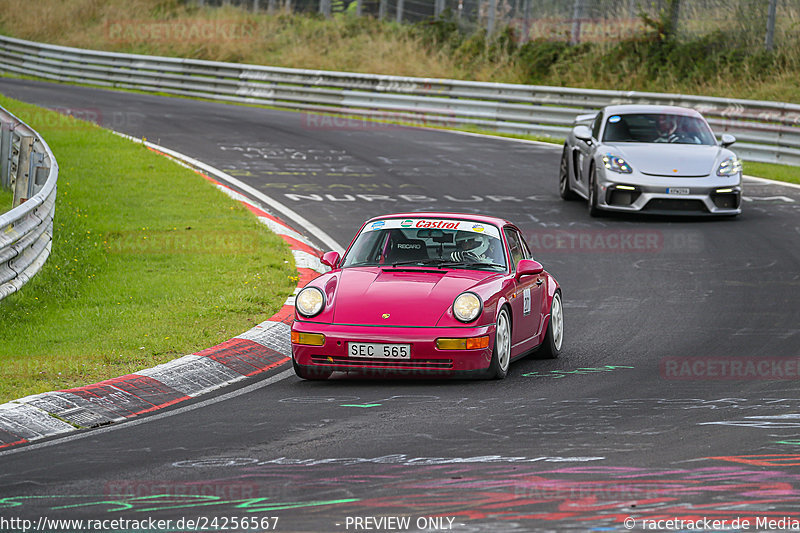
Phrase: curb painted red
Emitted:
{"points": [[262, 348]]}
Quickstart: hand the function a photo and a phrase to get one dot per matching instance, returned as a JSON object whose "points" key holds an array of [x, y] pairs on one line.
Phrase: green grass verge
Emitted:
{"points": [[772, 171], [149, 262], [6, 197]]}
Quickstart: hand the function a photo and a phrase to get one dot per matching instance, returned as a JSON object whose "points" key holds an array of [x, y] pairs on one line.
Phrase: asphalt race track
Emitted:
{"points": [[640, 417]]}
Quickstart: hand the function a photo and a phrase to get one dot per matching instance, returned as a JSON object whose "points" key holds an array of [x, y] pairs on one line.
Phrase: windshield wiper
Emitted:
{"points": [[441, 263], [435, 262]]}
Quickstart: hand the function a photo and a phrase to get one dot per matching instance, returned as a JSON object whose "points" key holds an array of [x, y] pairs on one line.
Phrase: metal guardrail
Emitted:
{"points": [[766, 131], [28, 167]]}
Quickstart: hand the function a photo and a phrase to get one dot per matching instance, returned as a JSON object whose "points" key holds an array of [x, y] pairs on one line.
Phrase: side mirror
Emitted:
{"points": [[727, 140], [528, 267], [330, 259], [583, 133]]}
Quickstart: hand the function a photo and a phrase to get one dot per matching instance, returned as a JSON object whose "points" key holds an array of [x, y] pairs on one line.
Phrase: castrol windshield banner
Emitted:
{"points": [[445, 224]]}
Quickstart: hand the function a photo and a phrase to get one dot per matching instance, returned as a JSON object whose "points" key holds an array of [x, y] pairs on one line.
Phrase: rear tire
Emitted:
{"points": [[311, 374], [564, 190], [554, 338], [501, 353]]}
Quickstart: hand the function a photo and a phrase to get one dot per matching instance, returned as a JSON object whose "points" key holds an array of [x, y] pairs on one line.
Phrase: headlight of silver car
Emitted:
{"points": [[309, 302], [467, 306], [730, 167], [616, 164]]}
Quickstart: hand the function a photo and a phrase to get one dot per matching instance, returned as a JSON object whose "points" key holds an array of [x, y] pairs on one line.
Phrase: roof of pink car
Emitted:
{"points": [[462, 216]]}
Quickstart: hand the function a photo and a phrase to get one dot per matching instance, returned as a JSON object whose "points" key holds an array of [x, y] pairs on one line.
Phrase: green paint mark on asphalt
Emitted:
{"points": [[577, 371], [360, 405], [792, 442], [161, 502]]}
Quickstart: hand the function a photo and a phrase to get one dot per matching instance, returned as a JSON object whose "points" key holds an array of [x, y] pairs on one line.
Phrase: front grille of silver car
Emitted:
{"points": [[622, 198], [726, 201], [666, 204]]}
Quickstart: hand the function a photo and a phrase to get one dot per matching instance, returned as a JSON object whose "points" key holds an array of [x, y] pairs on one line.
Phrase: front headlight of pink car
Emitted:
{"points": [[309, 302], [467, 306]]}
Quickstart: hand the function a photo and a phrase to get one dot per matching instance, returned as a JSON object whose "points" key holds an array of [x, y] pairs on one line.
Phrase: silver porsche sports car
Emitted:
{"points": [[650, 159]]}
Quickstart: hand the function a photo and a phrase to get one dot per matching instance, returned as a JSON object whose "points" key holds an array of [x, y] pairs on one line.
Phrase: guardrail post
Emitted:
{"points": [[13, 160], [770, 37], [577, 13], [38, 173], [438, 7], [526, 28], [674, 16], [400, 4], [325, 7], [23, 175], [5, 154]]}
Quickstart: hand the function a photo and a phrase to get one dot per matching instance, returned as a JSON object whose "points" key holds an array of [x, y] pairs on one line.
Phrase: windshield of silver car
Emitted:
{"points": [[658, 128]]}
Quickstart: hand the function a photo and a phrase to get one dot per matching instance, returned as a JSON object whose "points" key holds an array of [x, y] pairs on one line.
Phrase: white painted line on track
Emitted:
{"points": [[766, 181], [135, 422], [488, 136]]}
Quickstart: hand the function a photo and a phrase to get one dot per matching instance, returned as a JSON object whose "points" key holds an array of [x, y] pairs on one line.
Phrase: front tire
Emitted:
{"points": [[311, 374], [594, 211], [554, 338], [564, 190], [501, 353]]}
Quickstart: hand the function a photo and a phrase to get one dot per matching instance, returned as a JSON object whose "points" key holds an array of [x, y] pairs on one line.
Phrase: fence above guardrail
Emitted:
{"points": [[766, 131], [28, 167]]}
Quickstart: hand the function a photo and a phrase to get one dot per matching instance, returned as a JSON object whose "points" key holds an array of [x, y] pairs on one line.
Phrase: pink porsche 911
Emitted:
{"points": [[427, 294]]}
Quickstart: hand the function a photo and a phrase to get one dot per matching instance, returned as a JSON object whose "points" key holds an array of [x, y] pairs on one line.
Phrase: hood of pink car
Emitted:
{"points": [[410, 297]]}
